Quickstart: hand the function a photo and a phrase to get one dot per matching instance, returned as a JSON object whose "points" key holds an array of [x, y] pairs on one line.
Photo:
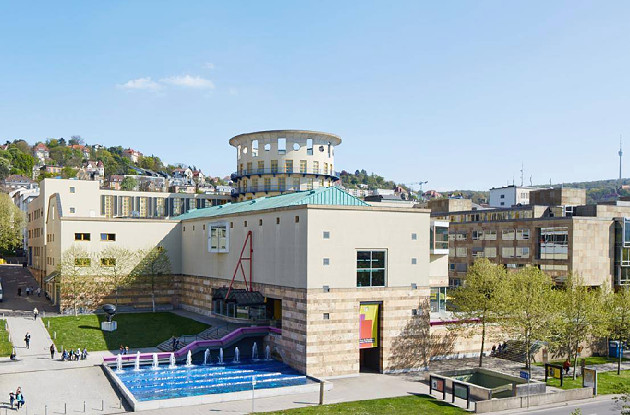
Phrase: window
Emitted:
{"points": [[522, 252], [245, 224], [309, 146], [277, 221], [249, 168], [326, 316], [72, 189], [438, 238], [297, 219], [489, 235], [282, 183], [108, 262], [414, 236], [288, 166], [82, 262], [477, 235], [108, 237], [502, 196], [326, 261], [259, 222], [461, 252], [282, 146], [274, 166], [296, 183], [267, 147], [72, 210], [490, 252], [326, 235], [414, 261], [507, 234], [371, 268], [522, 234], [316, 167], [302, 166], [254, 148], [554, 243], [81, 236], [267, 184], [438, 299], [218, 238], [460, 236], [507, 252], [477, 252]]}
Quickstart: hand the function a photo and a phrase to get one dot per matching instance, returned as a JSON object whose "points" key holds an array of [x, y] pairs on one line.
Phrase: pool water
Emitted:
{"points": [[165, 383]]}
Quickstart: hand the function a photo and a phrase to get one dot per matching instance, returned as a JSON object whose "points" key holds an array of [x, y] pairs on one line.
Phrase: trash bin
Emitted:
{"points": [[614, 349]]}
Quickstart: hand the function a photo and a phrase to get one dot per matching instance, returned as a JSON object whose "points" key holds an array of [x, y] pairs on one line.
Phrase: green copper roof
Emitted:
{"points": [[322, 196]]}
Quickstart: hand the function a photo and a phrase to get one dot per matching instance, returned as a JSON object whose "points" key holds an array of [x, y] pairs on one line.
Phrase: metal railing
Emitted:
{"points": [[283, 170], [65, 408]]}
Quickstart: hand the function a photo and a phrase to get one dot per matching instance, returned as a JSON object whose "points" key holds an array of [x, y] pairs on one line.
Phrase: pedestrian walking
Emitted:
{"points": [[27, 340], [19, 397], [28, 291], [39, 291], [35, 313], [19, 291], [11, 398], [52, 351]]}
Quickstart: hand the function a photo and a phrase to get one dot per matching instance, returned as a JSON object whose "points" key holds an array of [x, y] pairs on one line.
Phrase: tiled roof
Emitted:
{"points": [[322, 196]]}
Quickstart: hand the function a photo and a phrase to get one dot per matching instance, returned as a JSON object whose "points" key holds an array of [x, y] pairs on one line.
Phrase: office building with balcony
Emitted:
{"points": [[281, 161]]}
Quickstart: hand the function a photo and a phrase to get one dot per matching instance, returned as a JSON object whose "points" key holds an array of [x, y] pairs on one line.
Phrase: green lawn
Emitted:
{"points": [[134, 330], [5, 345], [405, 405], [593, 360], [607, 382]]}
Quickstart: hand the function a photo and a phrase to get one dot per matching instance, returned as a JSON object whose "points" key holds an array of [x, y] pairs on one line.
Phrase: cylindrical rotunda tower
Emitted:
{"points": [[281, 161]]}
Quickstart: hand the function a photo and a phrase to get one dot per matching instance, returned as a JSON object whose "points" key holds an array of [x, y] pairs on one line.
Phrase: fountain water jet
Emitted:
{"points": [[172, 361], [119, 363], [221, 356], [206, 357], [189, 359], [137, 366], [267, 353], [255, 351], [237, 354], [156, 364]]}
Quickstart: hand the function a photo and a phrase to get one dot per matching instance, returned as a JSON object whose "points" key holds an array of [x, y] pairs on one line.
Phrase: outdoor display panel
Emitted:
{"points": [[368, 326]]}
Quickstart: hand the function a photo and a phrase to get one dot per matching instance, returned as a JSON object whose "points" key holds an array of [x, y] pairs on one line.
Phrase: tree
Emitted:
{"points": [[80, 284], [154, 266], [129, 183], [68, 172], [76, 140], [478, 301], [528, 300], [580, 311], [116, 264], [5, 168], [618, 317], [12, 224]]}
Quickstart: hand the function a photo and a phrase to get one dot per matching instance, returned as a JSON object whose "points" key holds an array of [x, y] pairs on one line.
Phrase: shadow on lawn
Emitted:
{"points": [[433, 399], [89, 327]]}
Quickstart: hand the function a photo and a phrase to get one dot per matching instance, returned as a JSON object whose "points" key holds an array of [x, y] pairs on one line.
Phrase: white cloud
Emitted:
{"points": [[208, 65], [189, 81], [140, 83]]}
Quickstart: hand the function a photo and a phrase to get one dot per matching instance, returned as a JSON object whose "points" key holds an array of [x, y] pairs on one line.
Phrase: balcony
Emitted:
{"points": [[281, 170], [261, 188]]}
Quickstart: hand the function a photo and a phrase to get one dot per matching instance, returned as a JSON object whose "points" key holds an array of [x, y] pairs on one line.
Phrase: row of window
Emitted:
{"points": [[35, 233], [490, 252], [36, 214], [87, 262], [288, 167], [105, 237], [282, 148], [491, 235]]}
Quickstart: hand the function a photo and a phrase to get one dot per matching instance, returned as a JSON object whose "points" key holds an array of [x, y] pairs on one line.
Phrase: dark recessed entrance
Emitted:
{"points": [[370, 337]]}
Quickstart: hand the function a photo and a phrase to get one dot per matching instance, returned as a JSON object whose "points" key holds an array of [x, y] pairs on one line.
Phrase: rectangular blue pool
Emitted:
{"points": [[150, 383]]}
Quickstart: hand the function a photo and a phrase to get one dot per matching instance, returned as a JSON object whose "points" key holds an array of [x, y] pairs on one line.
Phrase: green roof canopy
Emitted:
{"points": [[332, 196]]}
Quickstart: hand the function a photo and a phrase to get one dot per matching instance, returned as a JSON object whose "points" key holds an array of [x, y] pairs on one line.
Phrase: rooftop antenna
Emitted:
{"points": [[522, 170], [620, 154], [531, 184]]}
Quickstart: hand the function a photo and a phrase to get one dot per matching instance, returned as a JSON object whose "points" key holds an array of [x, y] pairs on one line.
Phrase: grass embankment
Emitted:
{"points": [[134, 330], [5, 345], [607, 382], [404, 405], [593, 360]]}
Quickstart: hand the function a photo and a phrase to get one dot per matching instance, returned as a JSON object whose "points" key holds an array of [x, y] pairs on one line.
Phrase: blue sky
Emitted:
{"points": [[456, 93]]}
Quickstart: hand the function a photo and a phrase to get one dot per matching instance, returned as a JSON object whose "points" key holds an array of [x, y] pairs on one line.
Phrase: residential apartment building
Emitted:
{"points": [[281, 161], [557, 233]]}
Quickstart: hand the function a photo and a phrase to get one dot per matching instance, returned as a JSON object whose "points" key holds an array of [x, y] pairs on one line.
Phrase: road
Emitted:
{"points": [[602, 405]]}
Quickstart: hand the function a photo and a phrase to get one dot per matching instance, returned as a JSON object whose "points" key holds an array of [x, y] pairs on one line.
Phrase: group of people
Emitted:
{"points": [[123, 349], [30, 290], [497, 350], [71, 354], [17, 397]]}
